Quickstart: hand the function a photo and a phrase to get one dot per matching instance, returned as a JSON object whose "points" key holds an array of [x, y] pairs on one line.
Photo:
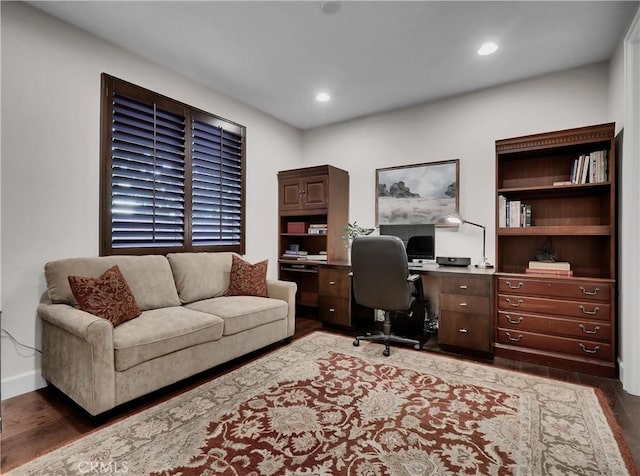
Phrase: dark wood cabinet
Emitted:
{"points": [[334, 289], [558, 320], [466, 312], [299, 193], [308, 199]]}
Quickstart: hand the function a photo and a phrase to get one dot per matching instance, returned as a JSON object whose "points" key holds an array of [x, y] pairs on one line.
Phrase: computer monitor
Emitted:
{"points": [[420, 240], [421, 247]]}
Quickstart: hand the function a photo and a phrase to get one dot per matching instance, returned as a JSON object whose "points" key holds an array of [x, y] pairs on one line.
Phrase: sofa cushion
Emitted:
{"points": [[159, 332], [107, 296], [149, 278], [200, 275], [246, 279], [241, 313]]}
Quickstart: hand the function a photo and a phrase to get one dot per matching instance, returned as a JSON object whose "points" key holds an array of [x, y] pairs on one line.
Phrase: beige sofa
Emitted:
{"points": [[187, 325]]}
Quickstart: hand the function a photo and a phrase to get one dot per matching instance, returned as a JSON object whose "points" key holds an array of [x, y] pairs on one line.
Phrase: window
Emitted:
{"points": [[172, 176]]}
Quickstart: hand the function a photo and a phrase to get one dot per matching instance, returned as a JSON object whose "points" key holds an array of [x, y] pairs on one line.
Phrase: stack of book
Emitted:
{"points": [[555, 268], [317, 229], [294, 254], [590, 168], [513, 213], [322, 256]]}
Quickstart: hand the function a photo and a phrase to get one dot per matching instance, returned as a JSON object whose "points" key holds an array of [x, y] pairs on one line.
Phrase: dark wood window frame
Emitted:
{"points": [[197, 164]]}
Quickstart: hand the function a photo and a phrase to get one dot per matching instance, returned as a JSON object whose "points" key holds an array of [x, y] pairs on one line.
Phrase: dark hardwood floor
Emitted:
{"points": [[40, 421]]}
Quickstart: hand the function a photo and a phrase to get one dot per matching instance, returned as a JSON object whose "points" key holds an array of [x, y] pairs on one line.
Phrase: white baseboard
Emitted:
{"points": [[22, 383]]}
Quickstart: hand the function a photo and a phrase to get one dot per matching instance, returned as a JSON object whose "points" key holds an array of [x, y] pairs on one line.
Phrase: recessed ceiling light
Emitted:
{"points": [[329, 8], [488, 48], [322, 97]]}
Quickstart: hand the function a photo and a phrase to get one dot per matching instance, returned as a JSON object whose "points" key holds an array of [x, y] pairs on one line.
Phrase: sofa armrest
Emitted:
{"points": [[286, 291], [78, 355], [75, 321]]}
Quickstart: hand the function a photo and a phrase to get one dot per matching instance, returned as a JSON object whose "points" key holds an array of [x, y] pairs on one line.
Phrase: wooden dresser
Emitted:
{"points": [[563, 323]]}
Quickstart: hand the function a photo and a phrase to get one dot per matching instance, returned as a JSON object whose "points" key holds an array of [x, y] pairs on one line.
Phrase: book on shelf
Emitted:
{"points": [[295, 252], [556, 265], [502, 211], [315, 257], [590, 168], [549, 272], [317, 229]]}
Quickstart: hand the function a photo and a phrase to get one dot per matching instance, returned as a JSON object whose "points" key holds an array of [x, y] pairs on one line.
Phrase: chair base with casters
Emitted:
{"points": [[387, 337]]}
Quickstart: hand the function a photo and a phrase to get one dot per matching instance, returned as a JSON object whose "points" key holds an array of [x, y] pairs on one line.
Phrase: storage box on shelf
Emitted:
{"points": [[564, 319]]}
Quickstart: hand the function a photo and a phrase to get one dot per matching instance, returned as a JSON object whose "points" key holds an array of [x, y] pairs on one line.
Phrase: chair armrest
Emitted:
{"points": [[418, 293]]}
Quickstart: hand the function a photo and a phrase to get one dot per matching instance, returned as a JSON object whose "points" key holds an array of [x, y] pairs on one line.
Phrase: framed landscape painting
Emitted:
{"points": [[416, 194]]}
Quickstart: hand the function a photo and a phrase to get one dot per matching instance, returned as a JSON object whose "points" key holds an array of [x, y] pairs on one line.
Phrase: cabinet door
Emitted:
{"points": [[315, 192], [290, 194]]}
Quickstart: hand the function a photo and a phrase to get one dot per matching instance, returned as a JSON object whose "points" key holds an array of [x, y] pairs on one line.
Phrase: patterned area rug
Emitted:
{"points": [[320, 406]]}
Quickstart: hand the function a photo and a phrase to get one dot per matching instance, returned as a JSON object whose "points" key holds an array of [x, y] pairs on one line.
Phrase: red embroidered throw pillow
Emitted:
{"points": [[107, 296], [247, 279]]}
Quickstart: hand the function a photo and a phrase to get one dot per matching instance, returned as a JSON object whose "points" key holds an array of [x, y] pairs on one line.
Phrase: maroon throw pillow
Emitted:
{"points": [[107, 296], [247, 279]]}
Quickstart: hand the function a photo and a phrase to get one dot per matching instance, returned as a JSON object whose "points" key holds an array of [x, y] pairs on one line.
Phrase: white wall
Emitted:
{"points": [[630, 215], [463, 127], [50, 160]]}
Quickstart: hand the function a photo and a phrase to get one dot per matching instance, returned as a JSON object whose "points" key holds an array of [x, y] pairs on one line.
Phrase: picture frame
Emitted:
{"points": [[417, 194]]}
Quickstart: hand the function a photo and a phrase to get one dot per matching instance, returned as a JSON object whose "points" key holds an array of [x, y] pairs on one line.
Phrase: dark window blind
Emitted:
{"points": [[216, 185], [148, 158], [173, 176]]}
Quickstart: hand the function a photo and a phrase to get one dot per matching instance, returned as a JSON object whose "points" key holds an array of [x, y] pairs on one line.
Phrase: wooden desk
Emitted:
{"points": [[462, 298]]}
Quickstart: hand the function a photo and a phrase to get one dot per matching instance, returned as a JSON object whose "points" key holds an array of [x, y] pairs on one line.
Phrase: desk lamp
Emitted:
{"points": [[456, 219]]}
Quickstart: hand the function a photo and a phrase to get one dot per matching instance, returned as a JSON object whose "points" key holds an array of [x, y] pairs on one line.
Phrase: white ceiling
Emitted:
{"points": [[370, 56]]}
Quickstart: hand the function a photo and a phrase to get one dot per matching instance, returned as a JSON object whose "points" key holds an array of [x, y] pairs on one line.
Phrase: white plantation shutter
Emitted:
{"points": [[173, 176]]}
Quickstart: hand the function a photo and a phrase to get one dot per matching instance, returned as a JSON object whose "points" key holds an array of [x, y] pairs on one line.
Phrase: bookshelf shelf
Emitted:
{"points": [[589, 230], [577, 221]]}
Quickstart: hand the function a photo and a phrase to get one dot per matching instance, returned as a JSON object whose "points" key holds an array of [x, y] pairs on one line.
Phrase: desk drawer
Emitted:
{"points": [[334, 282], [586, 310], [583, 348], [465, 304], [583, 291], [471, 331], [558, 326], [468, 286], [334, 310]]}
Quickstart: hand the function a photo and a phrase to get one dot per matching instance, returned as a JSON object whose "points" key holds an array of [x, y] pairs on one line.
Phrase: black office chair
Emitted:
{"points": [[381, 280]]}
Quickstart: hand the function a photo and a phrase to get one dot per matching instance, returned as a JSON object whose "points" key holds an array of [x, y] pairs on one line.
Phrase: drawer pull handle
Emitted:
{"points": [[464, 331], [595, 310], [332, 283], [514, 339], [463, 286], [514, 304], [332, 309], [589, 293], [513, 321], [463, 304], [589, 351], [518, 286], [587, 331]]}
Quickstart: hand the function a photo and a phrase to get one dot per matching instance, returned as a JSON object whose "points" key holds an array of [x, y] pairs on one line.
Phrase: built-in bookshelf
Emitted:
{"points": [[556, 199]]}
